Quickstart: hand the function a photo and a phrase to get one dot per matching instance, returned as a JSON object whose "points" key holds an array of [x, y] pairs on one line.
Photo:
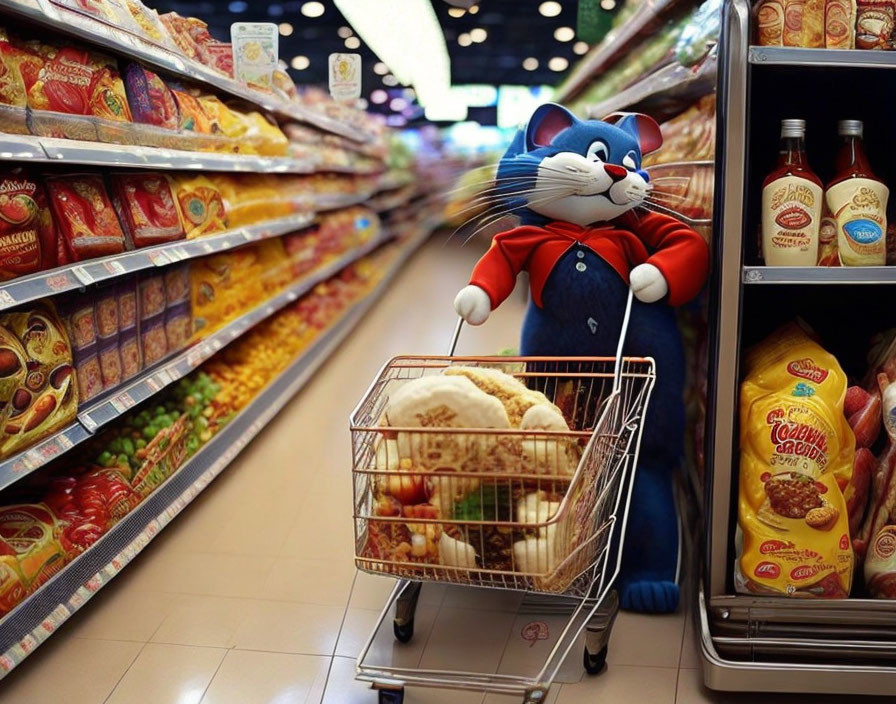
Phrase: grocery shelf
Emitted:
{"points": [[43, 612], [118, 401], [672, 81], [794, 56], [97, 33], [614, 44], [819, 275], [75, 276]]}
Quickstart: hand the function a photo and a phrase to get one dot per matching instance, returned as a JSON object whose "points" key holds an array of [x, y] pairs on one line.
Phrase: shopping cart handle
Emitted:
{"points": [[453, 346]]}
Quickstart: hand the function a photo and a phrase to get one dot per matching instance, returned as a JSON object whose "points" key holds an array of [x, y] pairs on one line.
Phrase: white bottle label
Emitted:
{"points": [[791, 214], [859, 206]]}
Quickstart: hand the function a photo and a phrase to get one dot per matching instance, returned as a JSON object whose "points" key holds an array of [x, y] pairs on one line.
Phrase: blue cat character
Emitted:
{"points": [[577, 187]]}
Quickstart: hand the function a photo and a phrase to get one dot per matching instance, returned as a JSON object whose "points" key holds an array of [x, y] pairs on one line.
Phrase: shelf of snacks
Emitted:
{"points": [[796, 56], [819, 275], [121, 344], [179, 46], [93, 515]]}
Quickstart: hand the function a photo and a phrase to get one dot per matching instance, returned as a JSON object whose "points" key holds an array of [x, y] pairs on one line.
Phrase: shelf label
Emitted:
{"points": [[159, 257], [82, 275], [114, 267], [164, 377], [196, 356], [59, 282], [6, 298], [207, 247], [122, 402], [345, 76], [255, 52]]}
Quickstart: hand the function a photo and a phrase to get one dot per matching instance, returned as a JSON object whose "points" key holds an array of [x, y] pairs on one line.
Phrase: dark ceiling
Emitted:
{"points": [[515, 31]]}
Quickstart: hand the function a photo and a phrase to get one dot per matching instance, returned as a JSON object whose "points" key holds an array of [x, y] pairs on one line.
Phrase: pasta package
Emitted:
{"points": [[37, 383], [146, 207], [85, 216], [200, 203], [27, 231], [796, 459]]}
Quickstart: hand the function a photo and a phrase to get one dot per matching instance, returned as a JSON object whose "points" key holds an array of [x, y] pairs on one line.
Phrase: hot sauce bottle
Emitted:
{"points": [[857, 201], [791, 203]]}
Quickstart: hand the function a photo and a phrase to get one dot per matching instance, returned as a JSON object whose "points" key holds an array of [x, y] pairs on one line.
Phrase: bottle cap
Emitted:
{"points": [[793, 128], [849, 128]]}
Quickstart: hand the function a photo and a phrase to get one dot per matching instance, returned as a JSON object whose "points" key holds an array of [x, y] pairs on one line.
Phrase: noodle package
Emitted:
{"points": [[796, 458]]}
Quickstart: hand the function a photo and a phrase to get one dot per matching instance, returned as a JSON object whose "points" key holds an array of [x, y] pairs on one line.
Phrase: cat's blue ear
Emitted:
{"points": [[641, 127], [547, 122]]}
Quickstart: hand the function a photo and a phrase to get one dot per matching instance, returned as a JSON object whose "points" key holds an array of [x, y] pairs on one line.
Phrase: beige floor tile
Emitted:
{"points": [[646, 639], [387, 652], [70, 670], [118, 612], [467, 640], [202, 621], [283, 627], [432, 695], [327, 582], [690, 646], [247, 677], [260, 530], [623, 683], [311, 539], [343, 688], [553, 695], [372, 591], [168, 673], [460, 597], [356, 629]]}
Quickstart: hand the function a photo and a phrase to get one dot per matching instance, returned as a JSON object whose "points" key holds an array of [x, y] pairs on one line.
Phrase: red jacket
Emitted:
{"points": [[634, 238]]}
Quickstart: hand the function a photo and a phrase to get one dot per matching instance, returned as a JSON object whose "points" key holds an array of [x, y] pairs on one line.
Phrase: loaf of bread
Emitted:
{"points": [[770, 23], [840, 24]]}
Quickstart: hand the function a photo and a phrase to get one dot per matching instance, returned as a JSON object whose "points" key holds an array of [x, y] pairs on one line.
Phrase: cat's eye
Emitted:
{"points": [[628, 161], [597, 152]]}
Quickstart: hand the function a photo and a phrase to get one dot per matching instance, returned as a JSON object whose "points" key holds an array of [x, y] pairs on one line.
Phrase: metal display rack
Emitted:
{"points": [[44, 611], [119, 40], [751, 643]]}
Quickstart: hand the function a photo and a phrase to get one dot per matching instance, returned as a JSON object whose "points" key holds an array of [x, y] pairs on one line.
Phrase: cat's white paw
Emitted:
{"points": [[473, 305], [648, 283]]}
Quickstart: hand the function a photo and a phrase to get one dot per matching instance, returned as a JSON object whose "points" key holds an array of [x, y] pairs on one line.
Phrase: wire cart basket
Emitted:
{"points": [[532, 511]]}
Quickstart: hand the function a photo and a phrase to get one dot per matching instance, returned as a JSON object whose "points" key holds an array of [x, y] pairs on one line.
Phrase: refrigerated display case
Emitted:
{"points": [[768, 643]]}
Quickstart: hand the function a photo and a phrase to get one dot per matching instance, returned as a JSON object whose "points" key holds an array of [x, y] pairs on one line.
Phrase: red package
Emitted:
{"points": [[85, 216], [19, 71], [219, 56], [27, 231], [146, 206], [178, 30], [150, 99]]}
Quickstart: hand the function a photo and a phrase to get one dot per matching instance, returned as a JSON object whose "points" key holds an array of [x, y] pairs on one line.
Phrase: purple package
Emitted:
{"points": [[150, 99]]}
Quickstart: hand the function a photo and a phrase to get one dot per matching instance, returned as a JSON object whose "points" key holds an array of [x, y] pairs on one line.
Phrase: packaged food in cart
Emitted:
{"points": [[147, 209], [27, 229], [85, 216]]}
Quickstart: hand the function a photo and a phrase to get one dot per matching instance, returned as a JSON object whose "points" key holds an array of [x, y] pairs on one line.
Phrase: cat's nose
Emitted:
{"points": [[617, 173]]}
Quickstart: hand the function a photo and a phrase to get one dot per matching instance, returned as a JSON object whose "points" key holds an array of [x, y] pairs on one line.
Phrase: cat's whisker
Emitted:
{"points": [[496, 217]]}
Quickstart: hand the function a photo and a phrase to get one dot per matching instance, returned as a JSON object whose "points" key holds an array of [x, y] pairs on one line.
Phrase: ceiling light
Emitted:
{"points": [[550, 9], [390, 80], [608, 4], [238, 6], [580, 48], [344, 32], [558, 63], [464, 39], [398, 104], [379, 96], [285, 29], [478, 35], [473, 9], [313, 9], [380, 69], [275, 10], [564, 34], [352, 43], [300, 63], [456, 12], [530, 64]]}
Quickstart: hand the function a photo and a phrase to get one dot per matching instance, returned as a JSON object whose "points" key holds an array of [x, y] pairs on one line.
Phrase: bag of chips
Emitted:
{"points": [[85, 216], [146, 207]]}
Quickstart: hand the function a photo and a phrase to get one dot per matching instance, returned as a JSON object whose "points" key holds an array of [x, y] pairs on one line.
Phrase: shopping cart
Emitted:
{"points": [[534, 511]]}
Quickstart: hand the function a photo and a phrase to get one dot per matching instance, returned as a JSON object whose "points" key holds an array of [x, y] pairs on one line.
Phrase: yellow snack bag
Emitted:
{"points": [[796, 457]]}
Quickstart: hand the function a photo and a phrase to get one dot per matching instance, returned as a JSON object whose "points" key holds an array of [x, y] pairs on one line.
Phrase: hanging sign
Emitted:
{"points": [[255, 52], [345, 76]]}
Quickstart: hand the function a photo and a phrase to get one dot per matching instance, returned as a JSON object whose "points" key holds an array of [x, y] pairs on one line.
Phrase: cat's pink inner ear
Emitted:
{"points": [[550, 126], [650, 138]]}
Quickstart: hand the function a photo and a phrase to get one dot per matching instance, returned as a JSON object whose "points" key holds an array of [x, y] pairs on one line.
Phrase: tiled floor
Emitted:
{"points": [[250, 596]]}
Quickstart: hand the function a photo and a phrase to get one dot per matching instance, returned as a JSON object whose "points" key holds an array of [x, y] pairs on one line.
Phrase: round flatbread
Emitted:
{"points": [[444, 402]]}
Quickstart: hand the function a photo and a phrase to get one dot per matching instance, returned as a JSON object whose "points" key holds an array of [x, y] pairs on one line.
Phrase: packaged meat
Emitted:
{"points": [[177, 284], [129, 351], [37, 386], [201, 206], [151, 101], [85, 216], [153, 341], [178, 326], [88, 372], [110, 362], [152, 296], [147, 209], [796, 457], [27, 230], [28, 534]]}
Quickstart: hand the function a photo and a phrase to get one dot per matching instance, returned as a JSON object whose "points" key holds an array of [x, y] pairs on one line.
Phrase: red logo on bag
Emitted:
{"points": [[885, 545], [769, 570], [844, 542], [805, 571], [807, 369], [773, 546]]}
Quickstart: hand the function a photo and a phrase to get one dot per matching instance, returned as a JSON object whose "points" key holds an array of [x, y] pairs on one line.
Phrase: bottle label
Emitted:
{"points": [[791, 213], [859, 206]]}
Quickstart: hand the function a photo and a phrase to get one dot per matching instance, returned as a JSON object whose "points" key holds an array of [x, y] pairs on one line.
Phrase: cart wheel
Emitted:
{"points": [[595, 663], [391, 696], [403, 632]]}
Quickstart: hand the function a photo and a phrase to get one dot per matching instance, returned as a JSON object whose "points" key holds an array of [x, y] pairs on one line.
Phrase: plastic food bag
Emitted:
{"points": [[700, 33], [796, 458], [85, 216]]}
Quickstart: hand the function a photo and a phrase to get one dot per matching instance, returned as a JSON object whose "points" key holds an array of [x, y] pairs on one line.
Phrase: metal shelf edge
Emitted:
{"points": [[790, 56], [41, 614], [816, 275]]}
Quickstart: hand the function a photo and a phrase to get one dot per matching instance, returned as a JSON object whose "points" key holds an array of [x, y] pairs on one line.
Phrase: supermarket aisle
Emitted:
{"points": [[251, 592]]}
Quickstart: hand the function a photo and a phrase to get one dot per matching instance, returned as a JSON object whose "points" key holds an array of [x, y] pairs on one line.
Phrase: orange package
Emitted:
{"points": [[796, 459], [201, 205], [29, 534]]}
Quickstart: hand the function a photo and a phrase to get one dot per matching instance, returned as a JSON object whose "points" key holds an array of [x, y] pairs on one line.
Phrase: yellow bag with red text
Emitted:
{"points": [[796, 457]]}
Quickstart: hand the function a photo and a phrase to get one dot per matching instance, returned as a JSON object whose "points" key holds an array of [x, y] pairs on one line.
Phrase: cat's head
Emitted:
{"points": [[581, 171]]}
